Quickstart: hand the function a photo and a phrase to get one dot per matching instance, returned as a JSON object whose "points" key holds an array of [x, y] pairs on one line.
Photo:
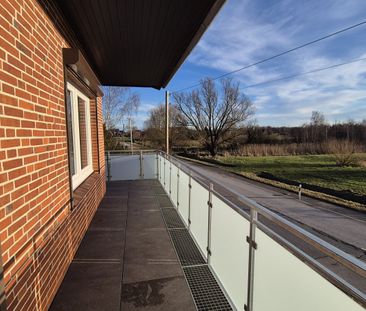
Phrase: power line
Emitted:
{"points": [[305, 73], [278, 55]]}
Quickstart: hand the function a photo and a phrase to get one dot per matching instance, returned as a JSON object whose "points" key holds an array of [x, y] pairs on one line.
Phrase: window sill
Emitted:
{"points": [[82, 190]]}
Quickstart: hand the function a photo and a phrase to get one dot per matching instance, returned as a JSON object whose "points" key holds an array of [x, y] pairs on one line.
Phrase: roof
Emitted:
{"points": [[135, 42]]}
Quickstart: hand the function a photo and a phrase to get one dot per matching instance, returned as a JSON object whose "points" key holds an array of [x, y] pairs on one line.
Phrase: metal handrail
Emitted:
{"points": [[130, 151], [249, 203], [337, 254]]}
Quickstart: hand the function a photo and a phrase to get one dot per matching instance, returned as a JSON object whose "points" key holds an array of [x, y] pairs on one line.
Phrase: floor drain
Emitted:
{"points": [[187, 250], [206, 292], [172, 219]]}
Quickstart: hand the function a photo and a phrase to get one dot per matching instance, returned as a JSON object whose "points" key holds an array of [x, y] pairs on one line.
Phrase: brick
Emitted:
{"points": [[8, 100], [17, 173], [16, 63], [11, 153], [12, 70], [8, 165], [13, 112], [9, 122], [34, 180], [9, 143], [28, 124], [21, 47], [8, 89]]}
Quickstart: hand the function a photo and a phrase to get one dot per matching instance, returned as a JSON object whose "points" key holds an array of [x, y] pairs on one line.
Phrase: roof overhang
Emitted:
{"points": [[133, 42]]}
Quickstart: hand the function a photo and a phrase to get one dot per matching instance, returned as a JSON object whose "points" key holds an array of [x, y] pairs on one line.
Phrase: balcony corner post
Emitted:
{"points": [[109, 177], [157, 165], [170, 176], [209, 218], [178, 175], [164, 171], [189, 199], [252, 248], [141, 165]]}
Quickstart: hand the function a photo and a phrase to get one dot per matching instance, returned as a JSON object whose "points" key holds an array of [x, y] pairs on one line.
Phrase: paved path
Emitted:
{"points": [[341, 224], [342, 227]]}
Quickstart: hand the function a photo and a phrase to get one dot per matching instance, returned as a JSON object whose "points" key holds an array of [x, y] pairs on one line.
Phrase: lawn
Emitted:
{"points": [[320, 170]]}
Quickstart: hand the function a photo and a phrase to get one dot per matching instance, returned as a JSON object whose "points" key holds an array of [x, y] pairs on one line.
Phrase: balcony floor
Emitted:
{"points": [[126, 260]]}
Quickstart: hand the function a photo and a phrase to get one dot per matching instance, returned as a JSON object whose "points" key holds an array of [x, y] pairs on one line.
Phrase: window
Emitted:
{"points": [[79, 135]]}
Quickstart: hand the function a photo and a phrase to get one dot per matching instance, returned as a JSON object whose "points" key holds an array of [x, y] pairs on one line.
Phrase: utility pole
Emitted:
{"points": [[131, 142], [167, 122]]}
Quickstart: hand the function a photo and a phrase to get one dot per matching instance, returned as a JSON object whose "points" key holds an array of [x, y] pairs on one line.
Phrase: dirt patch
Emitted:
{"points": [[344, 194]]}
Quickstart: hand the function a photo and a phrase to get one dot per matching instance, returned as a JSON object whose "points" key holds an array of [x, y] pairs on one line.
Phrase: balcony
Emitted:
{"points": [[164, 239]]}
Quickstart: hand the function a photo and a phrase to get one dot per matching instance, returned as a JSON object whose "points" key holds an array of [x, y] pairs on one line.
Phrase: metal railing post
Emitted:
{"points": [[252, 248], [157, 165], [300, 188], [189, 199], [141, 165], [170, 175], [164, 170], [109, 166], [160, 168], [178, 175], [209, 218]]}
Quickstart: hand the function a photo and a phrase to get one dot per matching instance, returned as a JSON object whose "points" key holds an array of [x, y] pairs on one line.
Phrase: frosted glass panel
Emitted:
{"points": [[199, 214], [150, 168], [230, 251], [283, 282], [174, 181], [125, 167], [183, 196]]}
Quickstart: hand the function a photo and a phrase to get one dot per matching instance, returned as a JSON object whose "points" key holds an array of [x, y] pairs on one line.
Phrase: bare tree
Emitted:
{"points": [[215, 113], [155, 126], [317, 118], [318, 126], [118, 103]]}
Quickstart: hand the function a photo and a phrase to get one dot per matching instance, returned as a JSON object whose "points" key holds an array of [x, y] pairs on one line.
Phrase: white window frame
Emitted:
{"points": [[80, 174]]}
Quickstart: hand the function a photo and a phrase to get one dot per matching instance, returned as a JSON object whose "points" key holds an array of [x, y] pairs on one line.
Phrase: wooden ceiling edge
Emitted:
{"points": [[216, 7], [57, 18]]}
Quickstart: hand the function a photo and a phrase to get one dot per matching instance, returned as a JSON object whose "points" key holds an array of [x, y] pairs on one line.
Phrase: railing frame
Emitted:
{"points": [[255, 209]]}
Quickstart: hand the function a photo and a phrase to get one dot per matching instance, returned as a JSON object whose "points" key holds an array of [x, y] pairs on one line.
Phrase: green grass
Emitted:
{"points": [[320, 170]]}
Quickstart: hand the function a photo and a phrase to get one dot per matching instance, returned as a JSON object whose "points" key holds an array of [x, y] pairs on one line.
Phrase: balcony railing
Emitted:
{"points": [[256, 266]]}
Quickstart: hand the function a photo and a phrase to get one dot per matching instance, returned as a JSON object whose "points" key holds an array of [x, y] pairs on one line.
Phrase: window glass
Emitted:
{"points": [[79, 135], [83, 132], [70, 131]]}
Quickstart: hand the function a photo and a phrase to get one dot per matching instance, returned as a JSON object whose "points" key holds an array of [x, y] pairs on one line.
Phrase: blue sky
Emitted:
{"points": [[246, 31]]}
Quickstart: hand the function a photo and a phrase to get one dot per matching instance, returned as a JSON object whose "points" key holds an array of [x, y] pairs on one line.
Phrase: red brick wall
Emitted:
{"points": [[39, 232]]}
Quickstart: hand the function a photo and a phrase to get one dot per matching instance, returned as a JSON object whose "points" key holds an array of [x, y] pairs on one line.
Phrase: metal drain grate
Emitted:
{"points": [[172, 218], [187, 250], [206, 292], [164, 201]]}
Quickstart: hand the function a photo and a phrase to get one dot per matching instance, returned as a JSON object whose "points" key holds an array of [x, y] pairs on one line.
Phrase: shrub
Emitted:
{"points": [[344, 152]]}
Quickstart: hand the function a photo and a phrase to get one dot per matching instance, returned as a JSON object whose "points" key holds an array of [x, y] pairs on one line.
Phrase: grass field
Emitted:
{"points": [[320, 170]]}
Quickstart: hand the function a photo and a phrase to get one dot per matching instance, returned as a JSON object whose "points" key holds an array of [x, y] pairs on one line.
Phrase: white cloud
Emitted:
{"points": [[248, 31]]}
